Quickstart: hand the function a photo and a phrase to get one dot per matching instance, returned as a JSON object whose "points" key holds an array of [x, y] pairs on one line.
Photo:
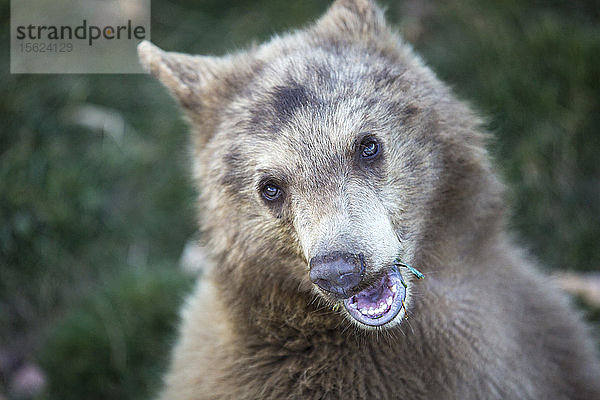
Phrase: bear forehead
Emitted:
{"points": [[329, 98], [301, 114]]}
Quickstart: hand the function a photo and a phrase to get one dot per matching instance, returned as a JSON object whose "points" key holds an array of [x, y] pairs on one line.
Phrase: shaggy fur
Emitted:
{"points": [[293, 113]]}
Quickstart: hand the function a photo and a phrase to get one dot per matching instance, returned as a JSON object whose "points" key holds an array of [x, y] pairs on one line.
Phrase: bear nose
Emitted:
{"points": [[337, 272]]}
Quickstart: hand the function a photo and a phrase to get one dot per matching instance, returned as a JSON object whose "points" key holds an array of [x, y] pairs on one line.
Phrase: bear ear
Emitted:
{"points": [[358, 19], [187, 77]]}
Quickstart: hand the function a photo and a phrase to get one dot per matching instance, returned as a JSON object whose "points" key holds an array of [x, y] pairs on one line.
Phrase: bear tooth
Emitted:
{"points": [[393, 289], [389, 301]]}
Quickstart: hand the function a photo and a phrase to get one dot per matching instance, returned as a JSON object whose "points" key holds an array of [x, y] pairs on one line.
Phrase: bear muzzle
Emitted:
{"points": [[337, 273]]}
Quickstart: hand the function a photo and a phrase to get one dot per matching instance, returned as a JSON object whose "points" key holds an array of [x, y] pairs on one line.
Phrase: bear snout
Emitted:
{"points": [[337, 273]]}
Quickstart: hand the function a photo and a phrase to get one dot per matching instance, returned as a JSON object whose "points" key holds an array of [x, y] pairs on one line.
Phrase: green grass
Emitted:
{"points": [[114, 345]]}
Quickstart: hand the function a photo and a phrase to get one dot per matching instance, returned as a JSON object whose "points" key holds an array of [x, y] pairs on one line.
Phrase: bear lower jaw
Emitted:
{"points": [[380, 304]]}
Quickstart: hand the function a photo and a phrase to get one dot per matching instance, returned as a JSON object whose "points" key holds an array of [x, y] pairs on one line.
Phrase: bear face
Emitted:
{"points": [[329, 174], [328, 148]]}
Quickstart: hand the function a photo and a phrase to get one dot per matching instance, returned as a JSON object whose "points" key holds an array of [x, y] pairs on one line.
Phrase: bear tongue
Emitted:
{"points": [[371, 297]]}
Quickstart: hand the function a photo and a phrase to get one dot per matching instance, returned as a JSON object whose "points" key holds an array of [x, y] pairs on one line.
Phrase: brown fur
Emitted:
{"points": [[482, 325]]}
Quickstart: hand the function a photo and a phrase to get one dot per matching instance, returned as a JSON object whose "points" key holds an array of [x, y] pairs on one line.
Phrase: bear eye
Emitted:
{"points": [[271, 192], [369, 148]]}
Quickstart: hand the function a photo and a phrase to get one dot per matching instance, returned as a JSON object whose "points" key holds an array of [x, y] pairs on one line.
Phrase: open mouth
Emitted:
{"points": [[379, 304]]}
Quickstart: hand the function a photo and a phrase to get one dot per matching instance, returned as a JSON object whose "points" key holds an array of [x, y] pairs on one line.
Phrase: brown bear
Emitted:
{"points": [[334, 169]]}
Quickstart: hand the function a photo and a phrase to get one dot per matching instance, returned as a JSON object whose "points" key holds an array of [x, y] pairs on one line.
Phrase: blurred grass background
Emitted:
{"points": [[96, 203]]}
